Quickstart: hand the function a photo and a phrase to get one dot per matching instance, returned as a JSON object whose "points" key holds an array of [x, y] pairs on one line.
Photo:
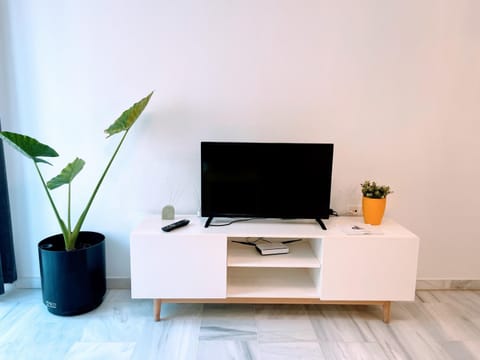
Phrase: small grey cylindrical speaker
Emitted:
{"points": [[168, 212]]}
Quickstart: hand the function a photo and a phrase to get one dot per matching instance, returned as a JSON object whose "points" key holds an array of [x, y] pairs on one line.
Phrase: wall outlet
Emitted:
{"points": [[354, 210]]}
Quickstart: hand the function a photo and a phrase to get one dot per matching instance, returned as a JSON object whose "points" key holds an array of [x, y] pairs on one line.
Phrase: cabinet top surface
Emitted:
{"points": [[336, 227]]}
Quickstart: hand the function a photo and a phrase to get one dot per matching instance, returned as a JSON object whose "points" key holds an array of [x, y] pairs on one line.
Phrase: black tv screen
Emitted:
{"points": [[266, 180]]}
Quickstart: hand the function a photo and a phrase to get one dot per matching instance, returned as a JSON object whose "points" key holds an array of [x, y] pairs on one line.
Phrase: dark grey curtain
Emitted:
{"points": [[8, 272]]}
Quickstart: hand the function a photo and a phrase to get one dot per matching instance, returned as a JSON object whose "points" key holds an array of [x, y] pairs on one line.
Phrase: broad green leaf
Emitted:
{"points": [[67, 175], [28, 146], [128, 117]]}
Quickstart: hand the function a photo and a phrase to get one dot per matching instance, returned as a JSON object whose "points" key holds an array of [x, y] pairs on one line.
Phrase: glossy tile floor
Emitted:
{"points": [[438, 325]]}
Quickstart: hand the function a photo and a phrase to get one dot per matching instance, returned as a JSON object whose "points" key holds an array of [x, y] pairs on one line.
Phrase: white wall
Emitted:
{"points": [[394, 84]]}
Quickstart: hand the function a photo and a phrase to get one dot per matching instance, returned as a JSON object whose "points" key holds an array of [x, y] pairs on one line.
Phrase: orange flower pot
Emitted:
{"points": [[373, 210]]}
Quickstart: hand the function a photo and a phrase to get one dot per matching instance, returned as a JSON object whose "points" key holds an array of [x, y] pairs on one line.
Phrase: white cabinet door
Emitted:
{"points": [[178, 266], [369, 268]]}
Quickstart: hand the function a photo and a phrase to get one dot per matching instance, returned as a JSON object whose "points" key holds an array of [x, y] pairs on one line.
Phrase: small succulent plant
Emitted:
{"points": [[370, 189]]}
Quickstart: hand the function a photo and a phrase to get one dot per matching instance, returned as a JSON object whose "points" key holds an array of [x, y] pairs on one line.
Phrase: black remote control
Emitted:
{"points": [[175, 225]]}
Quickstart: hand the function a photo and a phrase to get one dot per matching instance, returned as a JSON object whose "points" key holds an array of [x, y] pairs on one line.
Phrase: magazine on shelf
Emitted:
{"points": [[362, 229]]}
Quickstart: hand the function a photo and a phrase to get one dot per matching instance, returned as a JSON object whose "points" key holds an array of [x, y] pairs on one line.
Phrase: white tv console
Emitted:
{"points": [[197, 264]]}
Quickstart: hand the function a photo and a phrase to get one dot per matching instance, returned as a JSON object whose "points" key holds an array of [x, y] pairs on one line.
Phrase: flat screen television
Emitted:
{"points": [[266, 180]]}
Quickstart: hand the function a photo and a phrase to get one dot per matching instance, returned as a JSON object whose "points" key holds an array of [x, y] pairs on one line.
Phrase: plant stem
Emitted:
{"points": [[69, 203], [65, 231], [82, 217]]}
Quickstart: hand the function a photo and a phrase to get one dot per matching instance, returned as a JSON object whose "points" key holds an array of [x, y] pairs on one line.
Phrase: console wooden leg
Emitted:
{"points": [[157, 304], [386, 311]]}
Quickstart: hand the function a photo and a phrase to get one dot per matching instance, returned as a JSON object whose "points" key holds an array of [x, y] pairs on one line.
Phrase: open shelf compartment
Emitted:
{"points": [[300, 255], [270, 283]]}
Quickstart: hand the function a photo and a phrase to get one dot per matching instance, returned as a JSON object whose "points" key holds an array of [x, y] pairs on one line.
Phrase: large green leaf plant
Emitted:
{"points": [[36, 151]]}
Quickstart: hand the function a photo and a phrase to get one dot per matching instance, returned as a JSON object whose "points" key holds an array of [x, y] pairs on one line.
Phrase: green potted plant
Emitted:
{"points": [[374, 201], [72, 263]]}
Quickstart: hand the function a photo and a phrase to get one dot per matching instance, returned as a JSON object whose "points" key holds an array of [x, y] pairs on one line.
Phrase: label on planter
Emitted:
{"points": [[50, 304]]}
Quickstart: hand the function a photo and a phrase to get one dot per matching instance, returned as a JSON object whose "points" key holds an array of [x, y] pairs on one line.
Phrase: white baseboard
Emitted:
{"points": [[118, 283], [448, 284], [424, 284], [28, 283], [35, 283]]}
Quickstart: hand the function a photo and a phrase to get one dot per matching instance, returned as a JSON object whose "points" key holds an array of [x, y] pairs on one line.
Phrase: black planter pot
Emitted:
{"points": [[73, 282]]}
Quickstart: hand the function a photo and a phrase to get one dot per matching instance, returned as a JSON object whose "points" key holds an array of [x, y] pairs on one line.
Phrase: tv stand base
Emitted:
{"points": [[318, 220], [209, 220], [321, 223], [157, 303]]}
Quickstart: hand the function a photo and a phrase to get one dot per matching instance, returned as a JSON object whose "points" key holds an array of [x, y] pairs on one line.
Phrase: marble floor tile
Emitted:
{"points": [[353, 351], [306, 350], [228, 322], [441, 324], [100, 351], [283, 323], [228, 350], [173, 337], [380, 333], [462, 302], [456, 328], [426, 296], [337, 325], [473, 348], [33, 333], [418, 343], [468, 350]]}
